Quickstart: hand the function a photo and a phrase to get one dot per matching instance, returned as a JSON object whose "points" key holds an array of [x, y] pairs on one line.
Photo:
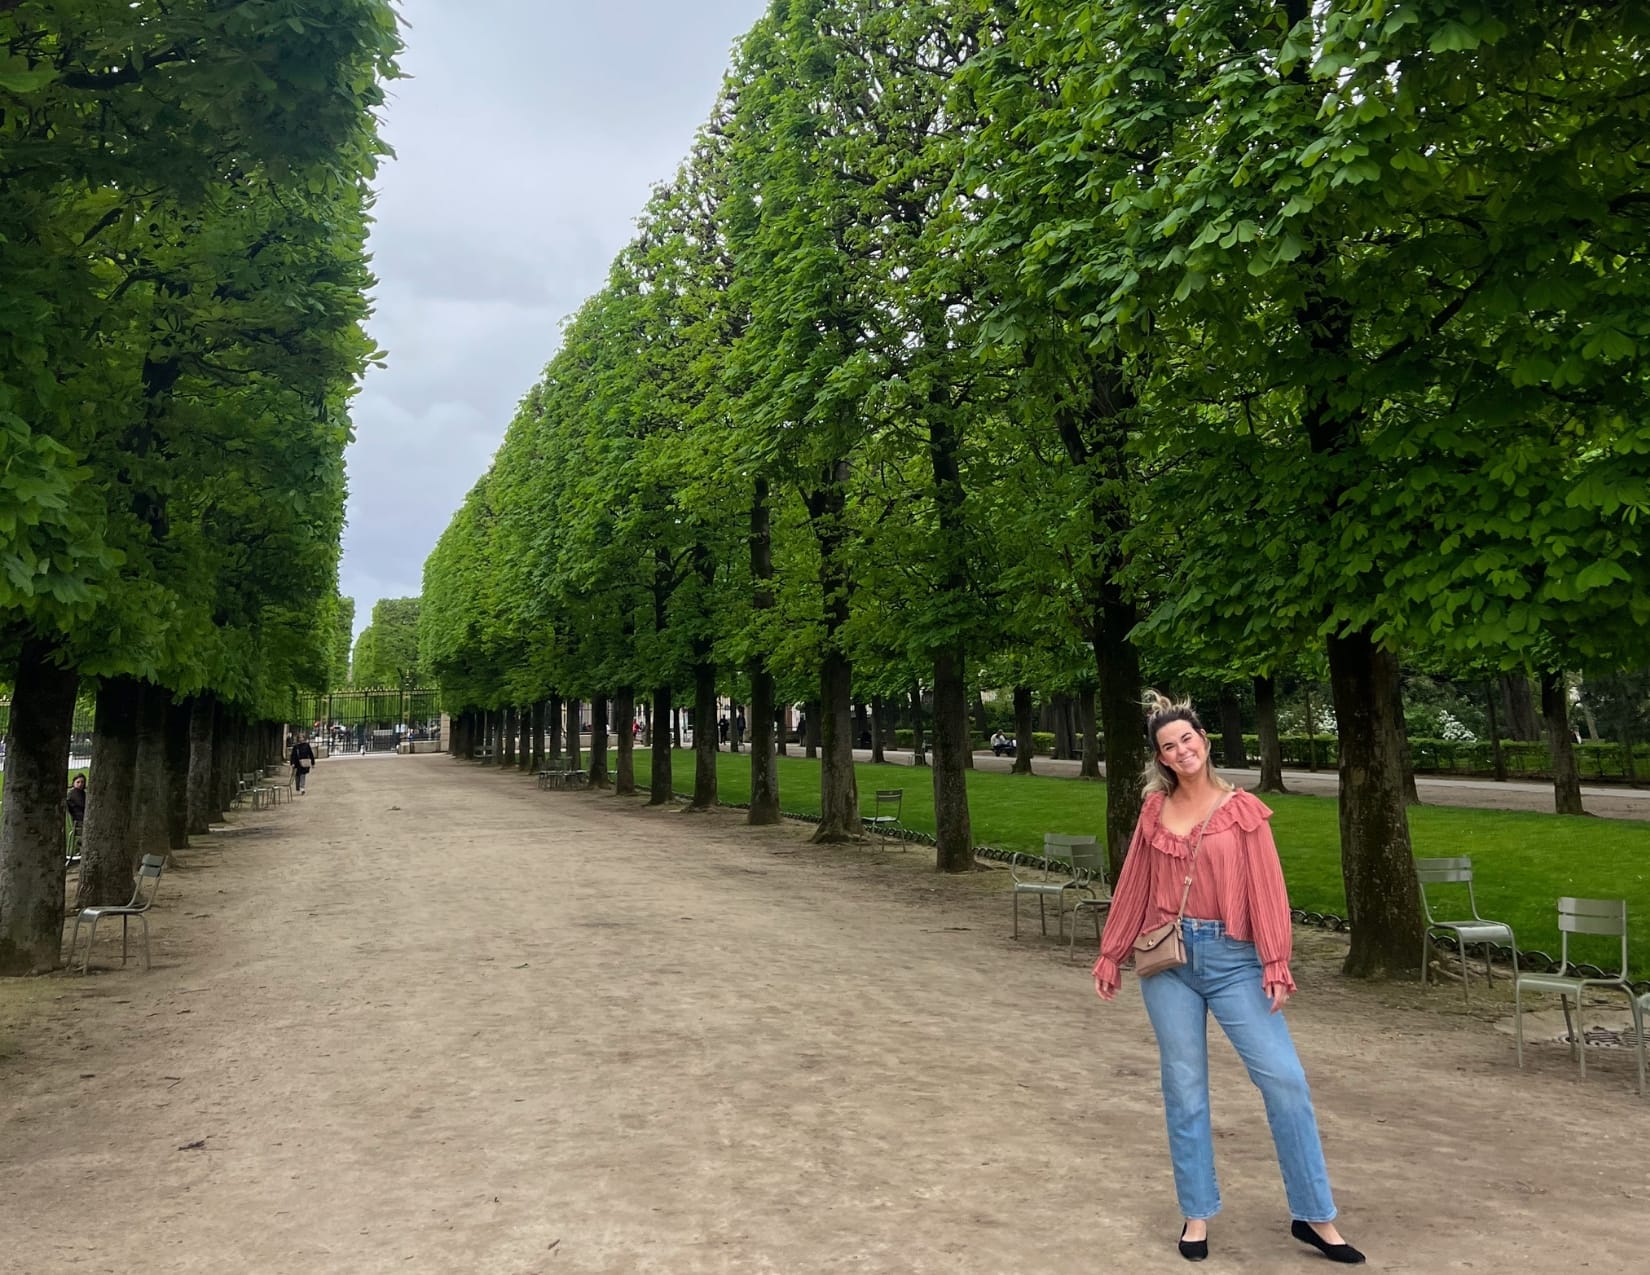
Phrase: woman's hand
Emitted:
{"points": [[1279, 995], [1105, 991]]}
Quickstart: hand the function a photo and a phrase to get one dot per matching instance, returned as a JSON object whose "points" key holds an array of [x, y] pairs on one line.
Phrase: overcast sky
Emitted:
{"points": [[527, 138]]}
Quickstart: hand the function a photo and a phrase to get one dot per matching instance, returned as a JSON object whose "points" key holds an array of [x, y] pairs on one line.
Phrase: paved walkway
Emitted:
{"points": [[430, 1019], [1610, 802]]}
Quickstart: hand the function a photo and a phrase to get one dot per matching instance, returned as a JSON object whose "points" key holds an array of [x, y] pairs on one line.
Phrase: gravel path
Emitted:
{"points": [[429, 1019]]}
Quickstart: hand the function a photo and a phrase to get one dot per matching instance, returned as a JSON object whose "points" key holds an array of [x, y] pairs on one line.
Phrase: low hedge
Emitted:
{"points": [[1527, 759]]}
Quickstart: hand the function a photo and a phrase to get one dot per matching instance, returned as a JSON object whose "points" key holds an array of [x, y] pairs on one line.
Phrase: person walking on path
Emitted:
{"points": [[1202, 859], [301, 759]]}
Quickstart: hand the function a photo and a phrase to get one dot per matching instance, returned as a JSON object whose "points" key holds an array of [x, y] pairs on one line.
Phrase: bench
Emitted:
{"points": [[559, 777]]}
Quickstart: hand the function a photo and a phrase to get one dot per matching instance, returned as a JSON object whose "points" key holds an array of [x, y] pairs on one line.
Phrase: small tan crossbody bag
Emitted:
{"points": [[1165, 947]]}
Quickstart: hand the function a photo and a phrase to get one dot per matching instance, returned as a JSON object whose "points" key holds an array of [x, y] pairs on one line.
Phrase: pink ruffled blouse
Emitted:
{"points": [[1237, 880]]}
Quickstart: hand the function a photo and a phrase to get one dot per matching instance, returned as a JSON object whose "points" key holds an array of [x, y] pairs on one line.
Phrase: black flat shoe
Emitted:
{"points": [[1193, 1250], [1344, 1253]]}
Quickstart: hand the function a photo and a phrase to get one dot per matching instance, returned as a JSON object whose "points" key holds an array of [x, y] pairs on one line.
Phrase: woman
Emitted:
{"points": [[74, 801], [1236, 930], [301, 758]]}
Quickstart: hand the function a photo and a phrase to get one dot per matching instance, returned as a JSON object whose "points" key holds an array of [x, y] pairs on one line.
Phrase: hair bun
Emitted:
{"points": [[1155, 702]]}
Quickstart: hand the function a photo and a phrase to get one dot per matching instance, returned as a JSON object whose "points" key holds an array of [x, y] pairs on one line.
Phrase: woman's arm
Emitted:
{"points": [[1269, 920], [1127, 914]]}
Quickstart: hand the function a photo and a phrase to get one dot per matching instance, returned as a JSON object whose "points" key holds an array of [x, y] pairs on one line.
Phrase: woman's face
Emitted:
{"points": [[80, 781], [1182, 748]]}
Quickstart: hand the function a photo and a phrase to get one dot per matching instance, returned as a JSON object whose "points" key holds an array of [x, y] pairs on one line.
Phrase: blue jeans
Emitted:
{"points": [[1223, 976]]}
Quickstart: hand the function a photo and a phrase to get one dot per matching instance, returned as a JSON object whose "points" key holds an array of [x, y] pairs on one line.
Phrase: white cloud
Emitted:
{"points": [[527, 140]]}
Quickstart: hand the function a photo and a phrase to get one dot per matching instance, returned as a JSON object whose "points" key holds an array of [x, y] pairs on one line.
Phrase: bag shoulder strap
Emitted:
{"points": [[1186, 889]]}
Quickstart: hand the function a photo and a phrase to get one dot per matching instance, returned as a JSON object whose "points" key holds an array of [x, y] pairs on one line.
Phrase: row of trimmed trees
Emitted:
{"points": [[1067, 344], [181, 304]]}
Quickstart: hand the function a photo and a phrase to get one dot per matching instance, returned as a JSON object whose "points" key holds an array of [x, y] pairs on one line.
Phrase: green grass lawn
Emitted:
{"points": [[1523, 862]]}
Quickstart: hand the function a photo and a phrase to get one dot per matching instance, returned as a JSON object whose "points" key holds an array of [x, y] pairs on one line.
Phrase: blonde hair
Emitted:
{"points": [[1161, 711]]}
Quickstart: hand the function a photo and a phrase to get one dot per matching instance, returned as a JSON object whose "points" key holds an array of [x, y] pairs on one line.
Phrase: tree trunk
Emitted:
{"points": [[536, 725], [1311, 733], [202, 808], [953, 832], [810, 733], [597, 769], [106, 858], [32, 816], [1555, 709], [624, 712], [862, 724], [764, 807], [1024, 745], [1231, 729], [1376, 861], [953, 743], [222, 757], [660, 788], [1090, 768], [1122, 720], [510, 732], [179, 717], [150, 795], [982, 723], [524, 744], [919, 755], [1064, 748], [704, 730], [1522, 722], [1266, 731], [1406, 761], [838, 788], [1498, 757], [575, 721], [879, 715], [553, 712]]}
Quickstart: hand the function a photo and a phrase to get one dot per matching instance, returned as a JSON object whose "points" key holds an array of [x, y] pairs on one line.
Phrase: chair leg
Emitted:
{"points": [[91, 937], [144, 918], [1518, 1024], [1570, 1030], [1042, 913], [1465, 999], [123, 926], [1638, 1023], [1016, 898], [1426, 956], [74, 938]]}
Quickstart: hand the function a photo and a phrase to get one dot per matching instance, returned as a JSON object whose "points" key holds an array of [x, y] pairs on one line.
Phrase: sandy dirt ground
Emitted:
{"points": [[430, 1019]]}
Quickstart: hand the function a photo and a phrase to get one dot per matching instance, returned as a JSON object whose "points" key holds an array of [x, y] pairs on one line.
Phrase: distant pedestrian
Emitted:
{"points": [[722, 730], [75, 803], [739, 728], [301, 758]]}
